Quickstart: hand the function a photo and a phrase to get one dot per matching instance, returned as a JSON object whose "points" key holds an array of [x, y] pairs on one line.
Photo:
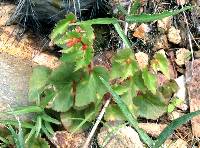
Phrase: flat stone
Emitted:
{"points": [[193, 86], [18, 55], [15, 74]]}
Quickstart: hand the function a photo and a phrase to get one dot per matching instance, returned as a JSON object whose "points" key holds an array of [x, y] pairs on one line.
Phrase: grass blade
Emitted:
{"points": [[15, 123], [44, 102], [47, 125], [98, 21], [121, 9], [146, 139], [20, 136], [50, 119], [24, 110], [172, 126], [122, 35], [45, 131], [83, 122], [144, 18], [4, 140], [38, 126], [30, 135], [135, 7], [14, 136]]}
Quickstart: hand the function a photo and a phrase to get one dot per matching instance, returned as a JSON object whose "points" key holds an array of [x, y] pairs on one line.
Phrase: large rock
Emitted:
{"points": [[17, 57], [15, 74]]}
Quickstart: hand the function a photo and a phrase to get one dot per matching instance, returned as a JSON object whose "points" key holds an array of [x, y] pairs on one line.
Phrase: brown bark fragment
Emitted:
{"points": [[193, 86]]}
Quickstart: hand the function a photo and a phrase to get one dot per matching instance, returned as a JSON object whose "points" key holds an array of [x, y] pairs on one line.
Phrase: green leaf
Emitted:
{"points": [[136, 5], [38, 126], [172, 126], [37, 82], [71, 54], [171, 108], [89, 32], [175, 102], [25, 110], [123, 64], [113, 113], [61, 26], [129, 117], [150, 106], [87, 118], [121, 9], [168, 89], [47, 125], [71, 120], [99, 21], [49, 119], [62, 75], [85, 92], [14, 136], [16, 123], [139, 82], [149, 80], [120, 89], [30, 135], [143, 18], [4, 140], [63, 99], [160, 63], [49, 95], [92, 85], [85, 59]]}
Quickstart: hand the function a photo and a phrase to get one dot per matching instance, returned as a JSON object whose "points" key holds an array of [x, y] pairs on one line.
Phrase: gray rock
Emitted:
{"points": [[15, 74]]}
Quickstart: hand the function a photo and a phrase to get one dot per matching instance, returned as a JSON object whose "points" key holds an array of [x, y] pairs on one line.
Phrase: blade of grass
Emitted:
{"points": [[122, 35], [15, 123], [143, 18], [47, 125], [4, 140], [135, 7], [50, 119], [38, 126], [24, 110], [14, 135], [83, 122], [45, 131], [172, 126], [30, 135], [146, 139], [121, 9], [98, 21], [44, 102], [20, 135]]}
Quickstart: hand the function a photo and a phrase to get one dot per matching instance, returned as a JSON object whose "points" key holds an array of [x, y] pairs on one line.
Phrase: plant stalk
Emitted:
{"points": [[96, 123]]}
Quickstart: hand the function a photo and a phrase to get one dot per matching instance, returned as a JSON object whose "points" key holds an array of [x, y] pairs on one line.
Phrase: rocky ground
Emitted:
{"points": [[177, 37]]}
